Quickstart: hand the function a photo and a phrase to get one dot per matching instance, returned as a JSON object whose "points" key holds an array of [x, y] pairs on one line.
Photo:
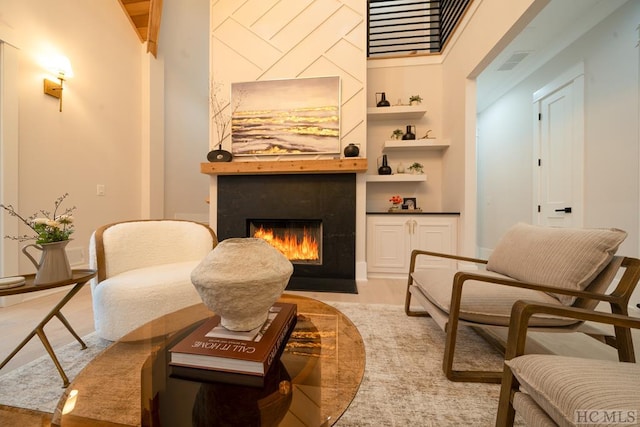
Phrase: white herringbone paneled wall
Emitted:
{"points": [[282, 39]]}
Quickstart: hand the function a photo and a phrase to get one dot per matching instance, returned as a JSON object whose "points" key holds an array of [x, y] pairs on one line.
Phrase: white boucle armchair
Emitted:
{"points": [[144, 271]]}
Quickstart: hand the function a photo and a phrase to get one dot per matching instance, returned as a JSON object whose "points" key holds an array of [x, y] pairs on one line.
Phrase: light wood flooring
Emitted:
{"points": [[18, 320]]}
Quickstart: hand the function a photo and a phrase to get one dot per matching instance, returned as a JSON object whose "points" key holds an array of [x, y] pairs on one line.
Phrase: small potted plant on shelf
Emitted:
{"points": [[397, 134], [416, 168], [396, 203], [415, 100]]}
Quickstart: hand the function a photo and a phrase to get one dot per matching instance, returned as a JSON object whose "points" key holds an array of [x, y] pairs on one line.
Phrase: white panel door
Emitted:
{"points": [[560, 141]]}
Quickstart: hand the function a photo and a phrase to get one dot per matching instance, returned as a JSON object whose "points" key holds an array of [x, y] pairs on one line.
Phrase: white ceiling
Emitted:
{"points": [[559, 24]]}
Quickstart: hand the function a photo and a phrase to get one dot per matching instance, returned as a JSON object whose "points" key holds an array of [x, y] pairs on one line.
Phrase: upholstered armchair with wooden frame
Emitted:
{"points": [[561, 267], [559, 390], [144, 271]]}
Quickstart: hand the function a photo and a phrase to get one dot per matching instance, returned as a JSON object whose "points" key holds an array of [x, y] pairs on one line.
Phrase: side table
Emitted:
{"points": [[79, 279]]}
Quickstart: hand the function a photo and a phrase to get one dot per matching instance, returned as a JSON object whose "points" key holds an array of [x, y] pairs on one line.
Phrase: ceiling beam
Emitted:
{"points": [[145, 17], [155, 15]]}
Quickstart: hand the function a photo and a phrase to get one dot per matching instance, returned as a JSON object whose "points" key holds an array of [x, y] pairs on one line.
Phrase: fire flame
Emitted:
{"points": [[290, 246]]}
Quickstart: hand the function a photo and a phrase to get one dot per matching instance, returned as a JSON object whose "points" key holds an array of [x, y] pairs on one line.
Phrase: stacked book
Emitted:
{"points": [[213, 353]]}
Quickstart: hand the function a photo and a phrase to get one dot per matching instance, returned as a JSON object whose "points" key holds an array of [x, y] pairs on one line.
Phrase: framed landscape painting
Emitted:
{"points": [[280, 117]]}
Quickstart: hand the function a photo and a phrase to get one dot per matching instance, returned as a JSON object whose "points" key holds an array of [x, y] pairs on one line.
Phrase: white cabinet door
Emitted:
{"points": [[391, 238], [435, 234], [388, 242]]}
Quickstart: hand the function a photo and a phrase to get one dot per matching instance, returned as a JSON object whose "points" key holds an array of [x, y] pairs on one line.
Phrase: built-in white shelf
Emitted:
{"points": [[415, 144], [395, 112], [398, 177]]}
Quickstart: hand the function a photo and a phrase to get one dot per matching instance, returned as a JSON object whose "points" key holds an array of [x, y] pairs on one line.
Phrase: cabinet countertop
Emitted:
{"points": [[408, 212]]}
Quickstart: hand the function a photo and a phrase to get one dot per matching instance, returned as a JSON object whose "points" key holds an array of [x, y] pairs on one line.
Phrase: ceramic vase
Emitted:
{"points": [[383, 100], [351, 150], [385, 169], [410, 134], [54, 265], [240, 279]]}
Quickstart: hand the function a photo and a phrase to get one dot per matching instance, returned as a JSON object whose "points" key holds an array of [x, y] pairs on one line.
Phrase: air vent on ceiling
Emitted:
{"points": [[513, 60]]}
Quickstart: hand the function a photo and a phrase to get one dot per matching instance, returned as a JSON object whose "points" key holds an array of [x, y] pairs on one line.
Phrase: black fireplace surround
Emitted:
{"points": [[328, 198]]}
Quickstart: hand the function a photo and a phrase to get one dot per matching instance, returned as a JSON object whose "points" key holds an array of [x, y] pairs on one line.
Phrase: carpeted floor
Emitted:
{"points": [[403, 382], [38, 385]]}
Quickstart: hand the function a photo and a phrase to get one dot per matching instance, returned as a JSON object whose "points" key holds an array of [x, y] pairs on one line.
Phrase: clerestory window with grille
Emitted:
{"points": [[410, 27]]}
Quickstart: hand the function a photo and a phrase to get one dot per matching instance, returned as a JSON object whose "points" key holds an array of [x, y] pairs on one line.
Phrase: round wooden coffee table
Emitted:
{"points": [[129, 383]]}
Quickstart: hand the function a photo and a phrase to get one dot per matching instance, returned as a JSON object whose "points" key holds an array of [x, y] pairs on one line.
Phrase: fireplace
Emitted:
{"points": [[310, 215], [299, 241]]}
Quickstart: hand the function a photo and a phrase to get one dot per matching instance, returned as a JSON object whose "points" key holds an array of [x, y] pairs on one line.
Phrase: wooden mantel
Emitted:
{"points": [[350, 165]]}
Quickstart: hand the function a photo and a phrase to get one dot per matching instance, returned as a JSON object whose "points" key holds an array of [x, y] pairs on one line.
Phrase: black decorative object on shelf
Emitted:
{"points": [[383, 101], [351, 150], [410, 135], [385, 169], [219, 155]]}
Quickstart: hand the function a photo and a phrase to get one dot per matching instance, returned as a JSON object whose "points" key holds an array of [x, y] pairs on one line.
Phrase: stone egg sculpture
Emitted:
{"points": [[240, 279]]}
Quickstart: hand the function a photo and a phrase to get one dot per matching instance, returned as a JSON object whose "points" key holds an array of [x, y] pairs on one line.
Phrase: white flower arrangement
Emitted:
{"points": [[49, 228]]}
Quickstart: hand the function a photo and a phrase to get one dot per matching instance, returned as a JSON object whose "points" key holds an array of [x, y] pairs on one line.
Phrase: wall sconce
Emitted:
{"points": [[60, 66]]}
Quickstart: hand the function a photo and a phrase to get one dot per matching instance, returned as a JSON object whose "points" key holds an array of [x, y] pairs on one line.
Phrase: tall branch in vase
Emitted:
{"points": [[221, 120], [220, 114]]}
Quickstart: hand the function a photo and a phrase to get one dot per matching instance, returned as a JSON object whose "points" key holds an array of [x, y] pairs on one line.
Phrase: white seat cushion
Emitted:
{"points": [[562, 385], [483, 302], [128, 300]]}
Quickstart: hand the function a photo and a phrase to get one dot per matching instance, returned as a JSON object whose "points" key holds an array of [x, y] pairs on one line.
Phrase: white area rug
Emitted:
{"points": [[38, 385], [403, 383]]}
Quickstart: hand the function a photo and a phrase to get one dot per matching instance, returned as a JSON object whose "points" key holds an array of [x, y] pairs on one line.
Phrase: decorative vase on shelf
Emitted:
{"points": [[383, 100], [385, 169], [400, 168], [410, 134], [54, 265], [351, 150], [219, 155]]}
